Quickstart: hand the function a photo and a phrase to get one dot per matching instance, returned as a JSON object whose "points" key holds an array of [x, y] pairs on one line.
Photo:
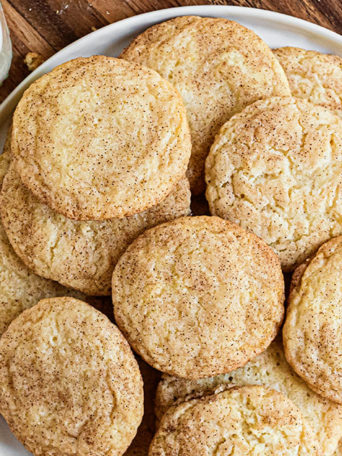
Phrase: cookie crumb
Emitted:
{"points": [[33, 60]]}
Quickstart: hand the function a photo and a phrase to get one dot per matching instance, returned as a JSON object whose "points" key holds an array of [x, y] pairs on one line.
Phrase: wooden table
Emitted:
{"points": [[45, 26]]}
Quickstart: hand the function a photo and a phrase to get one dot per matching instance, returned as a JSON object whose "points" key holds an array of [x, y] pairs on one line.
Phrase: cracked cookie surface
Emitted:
{"points": [[242, 421], [198, 296], [276, 169], [312, 330], [218, 67], [100, 137], [70, 384], [313, 76], [271, 369], [81, 255], [20, 288]]}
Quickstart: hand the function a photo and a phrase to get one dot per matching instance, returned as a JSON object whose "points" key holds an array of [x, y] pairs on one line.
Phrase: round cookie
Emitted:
{"points": [[69, 381], [313, 323], [77, 254], [313, 76], [271, 369], [100, 137], [217, 65], [198, 296], [242, 421], [276, 169]]}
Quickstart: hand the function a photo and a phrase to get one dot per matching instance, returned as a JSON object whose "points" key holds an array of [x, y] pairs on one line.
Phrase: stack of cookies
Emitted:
{"points": [[100, 166]]}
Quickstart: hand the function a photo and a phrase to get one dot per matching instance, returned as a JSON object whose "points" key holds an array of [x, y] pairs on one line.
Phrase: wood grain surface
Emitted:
{"points": [[45, 26]]}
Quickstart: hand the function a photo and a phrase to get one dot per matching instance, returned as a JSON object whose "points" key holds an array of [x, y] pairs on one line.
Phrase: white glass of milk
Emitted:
{"points": [[5, 47]]}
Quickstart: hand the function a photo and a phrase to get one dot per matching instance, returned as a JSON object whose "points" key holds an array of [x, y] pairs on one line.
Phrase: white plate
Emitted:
{"points": [[275, 28]]}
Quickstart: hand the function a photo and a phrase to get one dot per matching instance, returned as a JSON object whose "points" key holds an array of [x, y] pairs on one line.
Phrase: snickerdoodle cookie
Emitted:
{"points": [[69, 381], [271, 369], [100, 137], [312, 330], [78, 254], [276, 169], [313, 76], [217, 65], [198, 296], [242, 421]]}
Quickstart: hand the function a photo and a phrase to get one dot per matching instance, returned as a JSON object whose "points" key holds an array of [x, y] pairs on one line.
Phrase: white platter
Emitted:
{"points": [[276, 29]]}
